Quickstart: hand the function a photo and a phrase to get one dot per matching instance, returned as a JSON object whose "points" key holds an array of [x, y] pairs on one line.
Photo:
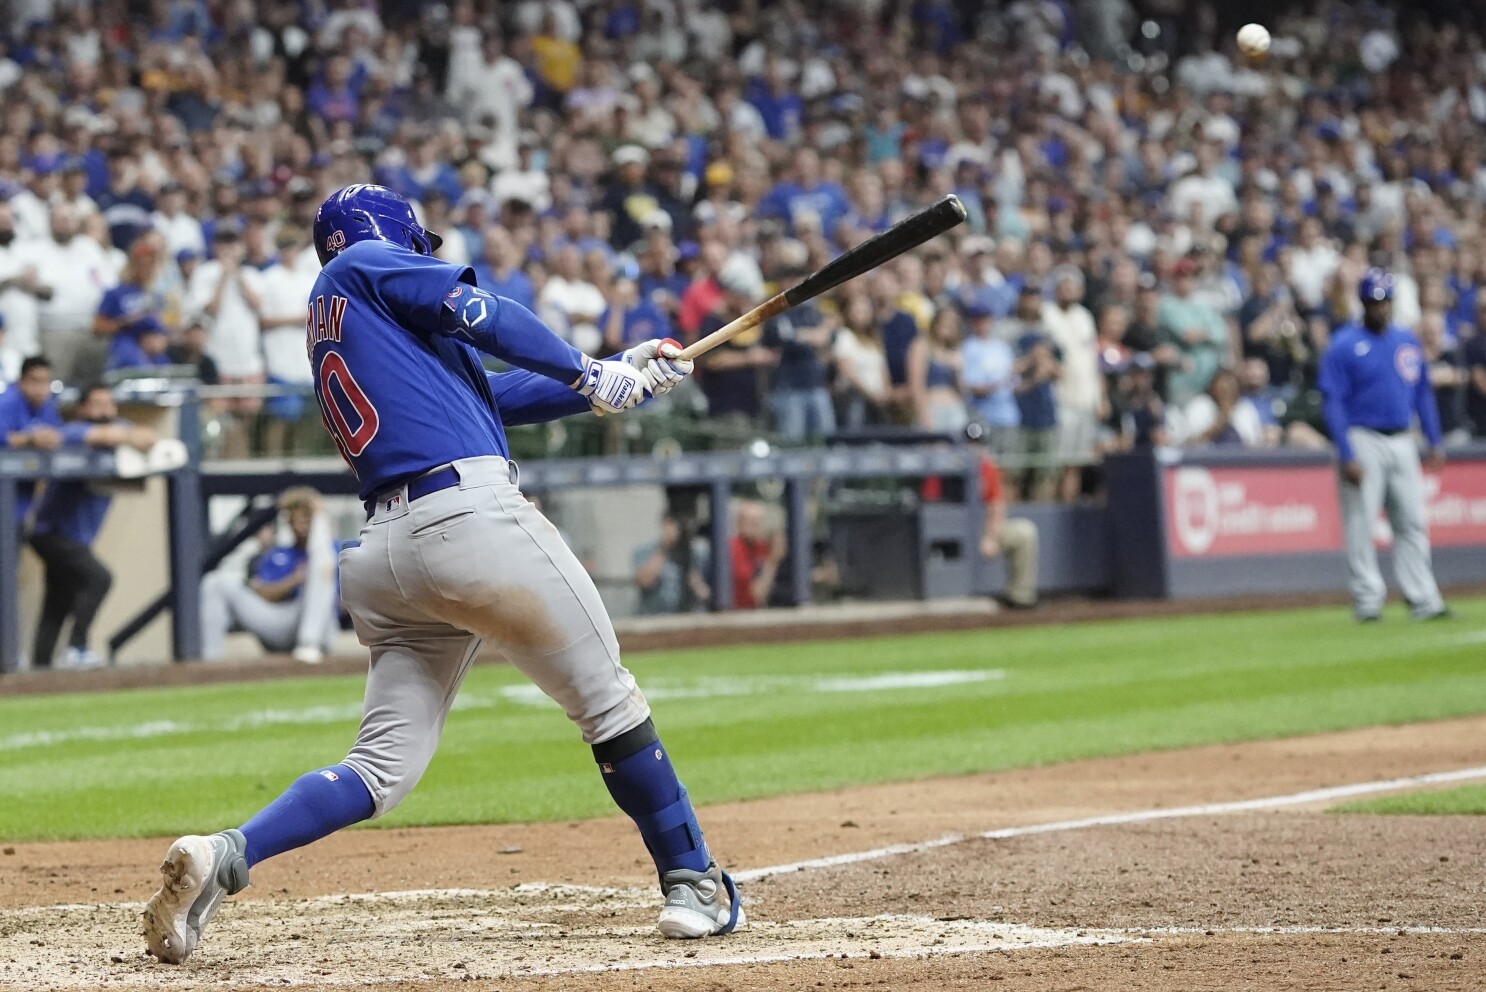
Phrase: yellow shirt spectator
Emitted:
{"points": [[557, 61]]}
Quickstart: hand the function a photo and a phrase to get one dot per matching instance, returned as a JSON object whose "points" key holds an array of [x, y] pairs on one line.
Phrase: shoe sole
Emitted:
{"points": [[166, 931], [679, 923]]}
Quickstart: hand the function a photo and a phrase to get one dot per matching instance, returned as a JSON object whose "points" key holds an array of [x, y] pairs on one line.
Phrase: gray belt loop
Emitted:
{"points": [[514, 471]]}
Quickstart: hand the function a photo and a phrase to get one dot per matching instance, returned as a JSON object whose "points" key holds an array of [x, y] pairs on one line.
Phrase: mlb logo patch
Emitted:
{"points": [[394, 502], [606, 768], [330, 775]]}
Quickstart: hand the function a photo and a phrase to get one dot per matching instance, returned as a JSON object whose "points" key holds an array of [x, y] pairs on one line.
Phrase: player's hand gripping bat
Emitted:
{"points": [[903, 236]]}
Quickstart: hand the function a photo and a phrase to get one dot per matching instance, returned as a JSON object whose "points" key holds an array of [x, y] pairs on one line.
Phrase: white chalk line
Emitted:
{"points": [[523, 694], [1306, 798]]}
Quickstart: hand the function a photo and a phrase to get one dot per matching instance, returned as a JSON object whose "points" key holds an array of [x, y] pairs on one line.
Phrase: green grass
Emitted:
{"points": [[1468, 800], [748, 721]]}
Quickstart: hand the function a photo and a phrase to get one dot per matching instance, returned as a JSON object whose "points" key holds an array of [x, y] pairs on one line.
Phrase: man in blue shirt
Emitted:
{"points": [[289, 602], [1375, 380], [988, 377], [29, 417], [69, 515]]}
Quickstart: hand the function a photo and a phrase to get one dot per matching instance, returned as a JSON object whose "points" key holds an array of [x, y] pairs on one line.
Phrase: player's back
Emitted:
{"points": [[398, 397]]}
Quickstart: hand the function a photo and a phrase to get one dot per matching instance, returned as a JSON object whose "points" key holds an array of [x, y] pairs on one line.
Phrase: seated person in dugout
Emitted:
{"points": [[288, 598]]}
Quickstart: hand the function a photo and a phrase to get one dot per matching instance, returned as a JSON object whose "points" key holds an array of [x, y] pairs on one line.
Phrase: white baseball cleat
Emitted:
{"points": [[308, 654], [700, 904], [199, 873]]}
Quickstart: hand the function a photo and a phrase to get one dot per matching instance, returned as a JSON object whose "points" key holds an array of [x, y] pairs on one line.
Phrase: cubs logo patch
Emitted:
{"points": [[1409, 360], [336, 241], [456, 292]]}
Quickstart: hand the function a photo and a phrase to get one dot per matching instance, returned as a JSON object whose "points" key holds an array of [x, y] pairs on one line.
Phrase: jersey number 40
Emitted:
{"points": [[335, 382]]}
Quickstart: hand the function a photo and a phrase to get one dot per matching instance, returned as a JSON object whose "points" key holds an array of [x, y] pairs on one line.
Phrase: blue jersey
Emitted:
{"points": [[1377, 381], [18, 415], [72, 508], [402, 390]]}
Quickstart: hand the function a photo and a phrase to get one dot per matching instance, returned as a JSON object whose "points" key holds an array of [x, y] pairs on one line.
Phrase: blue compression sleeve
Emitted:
{"points": [[507, 330], [524, 397]]}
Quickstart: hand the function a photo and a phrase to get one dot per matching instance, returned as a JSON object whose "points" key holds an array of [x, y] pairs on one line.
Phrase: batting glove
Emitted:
{"points": [[612, 386], [661, 362]]}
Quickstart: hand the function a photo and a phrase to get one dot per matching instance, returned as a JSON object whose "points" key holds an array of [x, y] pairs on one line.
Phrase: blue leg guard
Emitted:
{"points": [[316, 805], [643, 783]]}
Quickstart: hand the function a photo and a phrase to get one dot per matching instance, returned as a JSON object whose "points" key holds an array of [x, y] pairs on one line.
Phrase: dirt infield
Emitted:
{"points": [[1181, 886]]}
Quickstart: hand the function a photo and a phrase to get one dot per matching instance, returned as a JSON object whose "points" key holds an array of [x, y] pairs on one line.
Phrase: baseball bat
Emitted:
{"points": [[905, 235]]}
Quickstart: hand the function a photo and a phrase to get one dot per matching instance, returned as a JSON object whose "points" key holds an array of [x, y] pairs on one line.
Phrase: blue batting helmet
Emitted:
{"points": [[369, 213], [1376, 286]]}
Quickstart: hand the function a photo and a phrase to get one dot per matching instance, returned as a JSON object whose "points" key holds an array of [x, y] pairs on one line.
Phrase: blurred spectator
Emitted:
{"points": [[129, 313], [1221, 417], [125, 206], [174, 220], [79, 271], [1196, 333], [1447, 376], [1039, 368], [1013, 537], [934, 363], [863, 387], [68, 517], [988, 376], [570, 303], [898, 331], [490, 89], [731, 373], [798, 395], [21, 287], [667, 575], [29, 418], [286, 286], [499, 270], [1080, 387], [630, 319], [226, 296], [757, 553], [1475, 370], [10, 359], [288, 601], [1139, 411]]}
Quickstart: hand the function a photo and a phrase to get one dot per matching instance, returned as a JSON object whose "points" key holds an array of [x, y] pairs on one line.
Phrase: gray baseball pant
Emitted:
{"points": [[432, 581], [1393, 481]]}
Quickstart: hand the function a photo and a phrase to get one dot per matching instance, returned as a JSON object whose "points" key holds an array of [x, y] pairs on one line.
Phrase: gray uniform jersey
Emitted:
{"points": [[433, 580]]}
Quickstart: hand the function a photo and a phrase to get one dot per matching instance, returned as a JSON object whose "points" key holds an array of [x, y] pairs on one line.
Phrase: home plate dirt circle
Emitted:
{"points": [[1211, 868], [531, 930]]}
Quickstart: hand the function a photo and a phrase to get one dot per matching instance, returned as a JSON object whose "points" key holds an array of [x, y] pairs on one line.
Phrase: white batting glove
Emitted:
{"points": [[612, 386], [659, 359]]}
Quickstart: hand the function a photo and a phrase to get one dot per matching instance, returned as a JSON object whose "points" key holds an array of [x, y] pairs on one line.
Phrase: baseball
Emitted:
{"points": [[1253, 40]]}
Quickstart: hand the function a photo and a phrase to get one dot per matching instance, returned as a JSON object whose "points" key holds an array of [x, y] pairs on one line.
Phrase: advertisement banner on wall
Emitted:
{"points": [[1222, 512]]}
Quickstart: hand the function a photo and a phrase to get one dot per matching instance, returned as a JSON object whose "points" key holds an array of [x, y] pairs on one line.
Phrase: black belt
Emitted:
{"points": [[424, 485], [1388, 431]]}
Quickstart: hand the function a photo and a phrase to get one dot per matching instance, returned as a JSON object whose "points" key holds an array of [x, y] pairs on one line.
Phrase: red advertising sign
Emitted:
{"points": [[1223, 512], [1229, 512]]}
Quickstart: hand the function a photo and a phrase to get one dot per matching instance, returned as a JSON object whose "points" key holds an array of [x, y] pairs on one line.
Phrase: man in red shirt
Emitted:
{"points": [[757, 554]]}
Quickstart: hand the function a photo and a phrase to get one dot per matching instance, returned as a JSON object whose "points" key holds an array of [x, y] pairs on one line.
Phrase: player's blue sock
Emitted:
{"points": [[639, 776], [317, 805]]}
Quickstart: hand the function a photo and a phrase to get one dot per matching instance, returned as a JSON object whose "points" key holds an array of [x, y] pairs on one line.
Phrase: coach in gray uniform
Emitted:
{"points": [[1375, 379]]}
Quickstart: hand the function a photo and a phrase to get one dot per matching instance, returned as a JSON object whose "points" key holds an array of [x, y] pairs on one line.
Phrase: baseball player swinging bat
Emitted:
{"points": [[903, 236], [453, 556]]}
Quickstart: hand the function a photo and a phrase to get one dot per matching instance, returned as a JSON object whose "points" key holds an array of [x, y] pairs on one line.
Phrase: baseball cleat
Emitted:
{"points": [[700, 904], [199, 873]]}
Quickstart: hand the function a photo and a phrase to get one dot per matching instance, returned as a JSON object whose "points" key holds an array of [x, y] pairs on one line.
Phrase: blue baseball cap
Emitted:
{"points": [[976, 308], [1376, 286]]}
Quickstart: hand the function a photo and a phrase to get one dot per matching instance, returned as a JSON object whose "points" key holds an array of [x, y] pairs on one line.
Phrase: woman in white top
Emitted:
{"points": [[861, 364]]}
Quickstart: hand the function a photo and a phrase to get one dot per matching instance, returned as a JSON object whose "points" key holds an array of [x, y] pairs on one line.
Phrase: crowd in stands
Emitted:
{"points": [[1162, 234]]}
